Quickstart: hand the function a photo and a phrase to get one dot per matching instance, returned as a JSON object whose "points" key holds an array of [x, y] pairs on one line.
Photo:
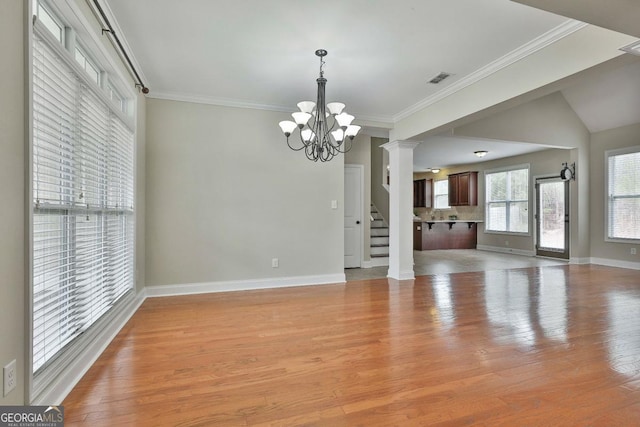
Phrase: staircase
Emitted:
{"points": [[379, 239]]}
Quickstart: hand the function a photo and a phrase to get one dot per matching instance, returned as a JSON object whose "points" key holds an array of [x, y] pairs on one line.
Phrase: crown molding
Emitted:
{"points": [[546, 39], [385, 122], [211, 100]]}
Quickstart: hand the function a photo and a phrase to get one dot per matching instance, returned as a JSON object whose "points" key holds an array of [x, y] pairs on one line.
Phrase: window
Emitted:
{"points": [[441, 194], [87, 65], [507, 200], [49, 22], [118, 99], [623, 195], [83, 200]]}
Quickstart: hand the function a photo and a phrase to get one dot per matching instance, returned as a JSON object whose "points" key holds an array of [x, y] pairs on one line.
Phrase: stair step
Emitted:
{"points": [[379, 240], [379, 255], [381, 245], [380, 250]]}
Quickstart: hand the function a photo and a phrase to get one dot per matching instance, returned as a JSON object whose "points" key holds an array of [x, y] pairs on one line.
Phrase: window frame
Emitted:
{"points": [[76, 30], [608, 154], [435, 195], [506, 169]]}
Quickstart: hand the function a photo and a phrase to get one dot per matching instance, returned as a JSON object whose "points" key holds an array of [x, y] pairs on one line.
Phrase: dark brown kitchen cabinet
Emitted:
{"points": [[422, 193], [463, 189]]}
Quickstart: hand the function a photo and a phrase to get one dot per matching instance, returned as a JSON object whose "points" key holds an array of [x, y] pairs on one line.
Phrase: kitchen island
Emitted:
{"points": [[445, 234]]}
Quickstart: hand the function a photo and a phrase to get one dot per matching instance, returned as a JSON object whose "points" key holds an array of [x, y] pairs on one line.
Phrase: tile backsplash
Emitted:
{"points": [[475, 213]]}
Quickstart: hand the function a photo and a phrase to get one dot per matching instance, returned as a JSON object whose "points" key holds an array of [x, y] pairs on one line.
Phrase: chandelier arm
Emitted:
{"points": [[344, 144], [321, 144], [328, 155], [310, 152], [295, 149]]}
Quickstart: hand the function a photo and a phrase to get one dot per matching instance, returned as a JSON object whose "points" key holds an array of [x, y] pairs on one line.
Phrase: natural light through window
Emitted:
{"points": [[441, 194], [82, 194], [623, 197], [507, 200]]}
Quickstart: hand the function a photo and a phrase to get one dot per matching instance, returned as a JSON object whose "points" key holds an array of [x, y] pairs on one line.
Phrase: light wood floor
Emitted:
{"points": [[543, 346]]}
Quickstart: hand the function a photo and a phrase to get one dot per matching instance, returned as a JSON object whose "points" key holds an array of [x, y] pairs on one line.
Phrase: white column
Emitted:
{"points": [[400, 209]]}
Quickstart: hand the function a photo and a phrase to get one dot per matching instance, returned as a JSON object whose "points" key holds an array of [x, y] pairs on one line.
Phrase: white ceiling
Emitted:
{"points": [[443, 151], [382, 53], [610, 101]]}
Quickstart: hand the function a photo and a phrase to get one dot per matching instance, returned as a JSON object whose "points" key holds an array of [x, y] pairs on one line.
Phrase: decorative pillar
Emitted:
{"points": [[400, 209]]}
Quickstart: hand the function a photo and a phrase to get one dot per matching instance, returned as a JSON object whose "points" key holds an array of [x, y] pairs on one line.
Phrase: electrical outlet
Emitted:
{"points": [[633, 251], [274, 263], [10, 379]]}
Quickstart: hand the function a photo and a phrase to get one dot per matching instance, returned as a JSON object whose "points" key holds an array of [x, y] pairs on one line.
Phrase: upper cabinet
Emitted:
{"points": [[422, 193], [463, 189]]}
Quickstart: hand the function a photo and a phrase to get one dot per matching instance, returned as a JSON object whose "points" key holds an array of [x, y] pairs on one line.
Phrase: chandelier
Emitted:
{"points": [[325, 130]]}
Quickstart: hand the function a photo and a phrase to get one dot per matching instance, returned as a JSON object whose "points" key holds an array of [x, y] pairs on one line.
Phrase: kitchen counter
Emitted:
{"points": [[447, 220], [445, 234]]}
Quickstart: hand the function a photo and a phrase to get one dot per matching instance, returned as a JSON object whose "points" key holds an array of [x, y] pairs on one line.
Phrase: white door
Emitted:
{"points": [[353, 177]]}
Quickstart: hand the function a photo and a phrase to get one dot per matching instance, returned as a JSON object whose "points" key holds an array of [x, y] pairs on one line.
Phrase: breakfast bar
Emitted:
{"points": [[444, 234]]}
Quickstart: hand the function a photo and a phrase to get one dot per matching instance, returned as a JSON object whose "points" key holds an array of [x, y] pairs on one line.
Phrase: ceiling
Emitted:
{"points": [[260, 54], [443, 151]]}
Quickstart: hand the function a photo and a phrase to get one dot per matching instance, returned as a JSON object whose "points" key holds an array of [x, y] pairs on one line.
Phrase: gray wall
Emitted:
{"points": [[225, 195], [379, 195], [548, 120], [12, 192], [625, 136], [541, 163]]}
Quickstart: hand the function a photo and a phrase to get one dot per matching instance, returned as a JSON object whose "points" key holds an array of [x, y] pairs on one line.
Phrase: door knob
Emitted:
{"points": [[357, 222]]}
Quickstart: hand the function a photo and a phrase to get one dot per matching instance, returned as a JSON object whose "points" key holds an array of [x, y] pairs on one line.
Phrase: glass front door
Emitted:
{"points": [[552, 218]]}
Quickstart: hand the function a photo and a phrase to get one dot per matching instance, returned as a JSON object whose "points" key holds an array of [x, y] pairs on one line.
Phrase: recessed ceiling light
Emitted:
{"points": [[481, 153]]}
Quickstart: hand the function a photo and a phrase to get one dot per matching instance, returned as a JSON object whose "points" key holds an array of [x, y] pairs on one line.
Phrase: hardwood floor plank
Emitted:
{"points": [[556, 345]]}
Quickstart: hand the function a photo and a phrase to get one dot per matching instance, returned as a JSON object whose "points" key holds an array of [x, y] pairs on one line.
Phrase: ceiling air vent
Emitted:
{"points": [[440, 77], [633, 48]]}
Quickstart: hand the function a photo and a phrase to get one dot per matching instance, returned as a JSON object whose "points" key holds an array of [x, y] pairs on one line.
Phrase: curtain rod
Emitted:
{"points": [[110, 30]]}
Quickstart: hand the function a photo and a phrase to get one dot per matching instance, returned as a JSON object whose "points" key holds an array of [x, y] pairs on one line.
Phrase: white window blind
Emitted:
{"points": [[441, 194], [623, 204], [83, 222], [507, 201]]}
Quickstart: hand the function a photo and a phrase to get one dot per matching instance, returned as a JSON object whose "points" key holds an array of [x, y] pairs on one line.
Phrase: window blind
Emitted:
{"points": [[624, 196], [507, 201], [83, 222]]}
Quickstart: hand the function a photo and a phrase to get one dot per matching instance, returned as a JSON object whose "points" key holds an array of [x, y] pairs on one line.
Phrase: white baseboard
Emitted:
{"points": [[58, 389], [376, 262], [242, 285], [616, 263], [402, 275], [505, 250], [579, 261]]}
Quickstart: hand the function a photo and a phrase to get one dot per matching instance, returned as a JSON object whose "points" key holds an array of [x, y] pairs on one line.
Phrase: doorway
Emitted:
{"points": [[552, 218], [353, 205]]}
